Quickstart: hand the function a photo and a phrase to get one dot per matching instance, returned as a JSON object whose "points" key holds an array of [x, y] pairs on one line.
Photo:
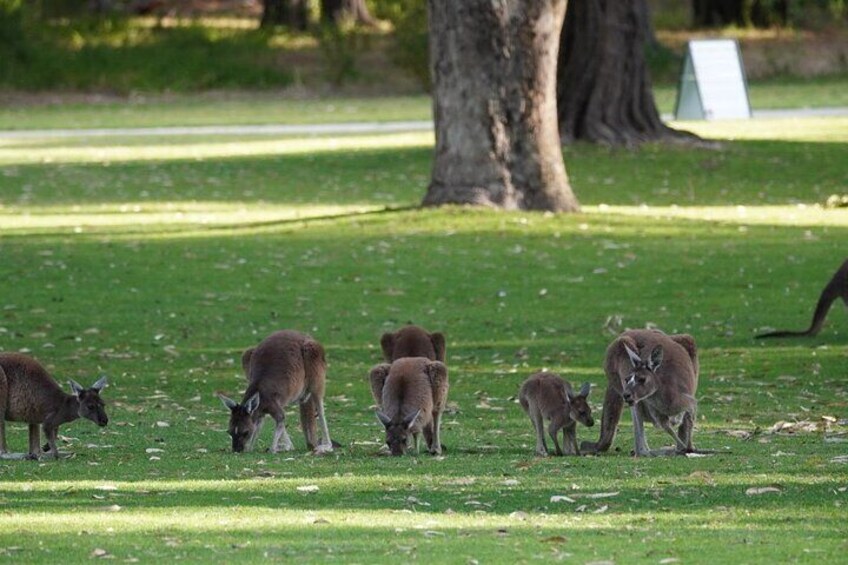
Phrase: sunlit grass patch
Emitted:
{"points": [[807, 129], [200, 149]]}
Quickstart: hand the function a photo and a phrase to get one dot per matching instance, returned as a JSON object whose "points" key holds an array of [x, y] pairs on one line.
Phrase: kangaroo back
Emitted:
{"points": [[413, 341]]}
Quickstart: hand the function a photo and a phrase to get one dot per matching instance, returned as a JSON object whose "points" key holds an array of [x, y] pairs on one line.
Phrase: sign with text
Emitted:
{"points": [[712, 84]]}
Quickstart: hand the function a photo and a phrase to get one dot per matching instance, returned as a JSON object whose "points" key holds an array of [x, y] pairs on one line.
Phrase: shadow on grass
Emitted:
{"points": [[746, 173]]}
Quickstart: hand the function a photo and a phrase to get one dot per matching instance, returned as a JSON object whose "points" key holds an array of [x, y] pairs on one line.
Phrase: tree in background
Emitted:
{"points": [[293, 14], [604, 92], [494, 104], [335, 11], [741, 13]]}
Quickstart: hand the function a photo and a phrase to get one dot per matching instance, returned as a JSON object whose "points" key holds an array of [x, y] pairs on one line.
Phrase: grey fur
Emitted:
{"points": [[546, 396], [411, 394], [29, 394], [286, 367]]}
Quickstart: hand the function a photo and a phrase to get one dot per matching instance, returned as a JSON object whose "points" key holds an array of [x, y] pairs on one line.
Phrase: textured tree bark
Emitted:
{"points": [[493, 64], [289, 13], [604, 90], [334, 11]]}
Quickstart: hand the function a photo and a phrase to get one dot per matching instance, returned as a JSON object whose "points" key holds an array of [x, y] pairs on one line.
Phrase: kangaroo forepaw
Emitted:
{"points": [[323, 449]]}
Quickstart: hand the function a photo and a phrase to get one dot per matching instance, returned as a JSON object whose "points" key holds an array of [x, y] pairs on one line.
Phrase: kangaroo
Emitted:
{"points": [[409, 341], [545, 396], [836, 288], [411, 401], [29, 394], [413, 341], [660, 388], [286, 367]]}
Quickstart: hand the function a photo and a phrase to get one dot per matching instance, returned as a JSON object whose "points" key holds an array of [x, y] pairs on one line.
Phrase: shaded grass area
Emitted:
{"points": [[122, 56], [275, 107], [125, 281]]}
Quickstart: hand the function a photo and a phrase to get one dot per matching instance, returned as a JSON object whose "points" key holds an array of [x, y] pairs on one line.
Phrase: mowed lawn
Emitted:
{"points": [[156, 261]]}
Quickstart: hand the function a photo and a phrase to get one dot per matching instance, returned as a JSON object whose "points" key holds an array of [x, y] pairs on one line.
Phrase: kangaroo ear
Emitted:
{"points": [[100, 384], [409, 421], [76, 388], [656, 358], [635, 360], [585, 389], [385, 420], [252, 403], [245, 360], [228, 402], [387, 344], [438, 341]]}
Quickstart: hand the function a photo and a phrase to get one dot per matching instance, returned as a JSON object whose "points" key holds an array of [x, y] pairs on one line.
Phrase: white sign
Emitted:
{"points": [[712, 85]]}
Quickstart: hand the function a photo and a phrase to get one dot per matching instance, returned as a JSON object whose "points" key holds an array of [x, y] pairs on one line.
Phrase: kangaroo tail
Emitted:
{"points": [[836, 288]]}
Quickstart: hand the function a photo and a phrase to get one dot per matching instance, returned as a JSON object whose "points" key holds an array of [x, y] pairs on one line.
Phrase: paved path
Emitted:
{"points": [[326, 129]]}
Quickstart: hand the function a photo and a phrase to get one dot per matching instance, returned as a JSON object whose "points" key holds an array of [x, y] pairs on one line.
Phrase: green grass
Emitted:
{"points": [[124, 56], [157, 261], [243, 108]]}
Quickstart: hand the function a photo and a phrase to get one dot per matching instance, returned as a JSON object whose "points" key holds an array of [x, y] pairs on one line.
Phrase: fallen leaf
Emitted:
{"points": [[99, 553], [308, 488], [793, 427], [598, 494], [561, 498], [601, 510], [761, 490], [555, 539]]}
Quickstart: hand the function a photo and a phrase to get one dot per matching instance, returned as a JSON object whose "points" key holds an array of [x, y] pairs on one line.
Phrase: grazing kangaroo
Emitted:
{"points": [[545, 396], [29, 394], [413, 341], [411, 401], [836, 288], [286, 367], [660, 387]]}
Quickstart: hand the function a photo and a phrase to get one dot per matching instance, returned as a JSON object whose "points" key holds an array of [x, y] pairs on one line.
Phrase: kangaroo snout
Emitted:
{"points": [[102, 421]]}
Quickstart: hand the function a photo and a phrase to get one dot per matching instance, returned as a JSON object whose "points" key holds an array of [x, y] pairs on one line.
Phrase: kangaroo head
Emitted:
{"points": [[91, 406], [397, 433], [580, 410], [242, 424], [642, 381]]}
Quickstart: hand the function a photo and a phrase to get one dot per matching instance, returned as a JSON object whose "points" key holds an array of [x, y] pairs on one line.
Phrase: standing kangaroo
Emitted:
{"points": [[836, 288], [545, 396], [413, 341], [286, 367], [29, 394], [409, 341], [411, 401], [659, 387]]}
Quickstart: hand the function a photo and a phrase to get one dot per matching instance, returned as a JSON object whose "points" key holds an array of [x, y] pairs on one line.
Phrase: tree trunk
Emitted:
{"points": [[604, 90], [494, 103], [742, 13], [334, 11], [289, 13]]}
